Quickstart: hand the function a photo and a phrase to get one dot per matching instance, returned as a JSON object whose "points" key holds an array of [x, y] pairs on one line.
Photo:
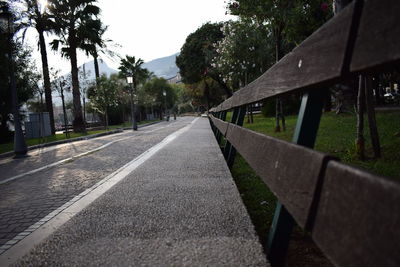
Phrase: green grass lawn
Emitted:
{"points": [[336, 136]]}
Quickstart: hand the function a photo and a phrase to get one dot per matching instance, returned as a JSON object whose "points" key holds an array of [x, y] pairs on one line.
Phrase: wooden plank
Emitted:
{"points": [[218, 108], [290, 171], [221, 125], [378, 39], [318, 61], [244, 95], [358, 218], [227, 104]]}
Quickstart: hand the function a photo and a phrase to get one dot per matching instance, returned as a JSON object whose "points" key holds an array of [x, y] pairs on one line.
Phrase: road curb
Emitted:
{"points": [[120, 130]]}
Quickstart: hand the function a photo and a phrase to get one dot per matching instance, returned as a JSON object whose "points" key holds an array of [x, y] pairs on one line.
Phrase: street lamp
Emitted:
{"points": [[165, 104], [129, 79], [6, 25]]}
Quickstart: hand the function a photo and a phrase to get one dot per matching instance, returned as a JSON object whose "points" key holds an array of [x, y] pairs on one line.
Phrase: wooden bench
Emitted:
{"points": [[352, 215]]}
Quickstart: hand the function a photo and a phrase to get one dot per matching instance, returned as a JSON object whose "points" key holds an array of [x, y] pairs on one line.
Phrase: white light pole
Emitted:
{"points": [[165, 105], [129, 79], [20, 148]]}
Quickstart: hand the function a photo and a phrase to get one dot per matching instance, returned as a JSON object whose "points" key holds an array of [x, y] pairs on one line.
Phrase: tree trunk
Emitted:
{"points": [[328, 102], [277, 124], [282, 115], [223, 85], [5, 134], [41, 118], [64, 113], [377, 89], [96, 67], [46, 79], [251, 114], [248, 113], [346, 90], [278, 102], [132, 105], [106, 119], [360, 142], [123, 114], [78, 124], [84, 110], [371, 118], [207, 95]]}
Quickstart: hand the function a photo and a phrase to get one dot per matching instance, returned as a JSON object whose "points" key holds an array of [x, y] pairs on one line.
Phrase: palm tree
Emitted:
{"points": [[101, 47], [35, 16], [132, 67], [77, 26]]}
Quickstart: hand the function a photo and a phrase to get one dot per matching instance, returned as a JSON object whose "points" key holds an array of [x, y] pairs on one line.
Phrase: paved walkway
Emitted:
{"points": [[51, 177], [175, 205]]}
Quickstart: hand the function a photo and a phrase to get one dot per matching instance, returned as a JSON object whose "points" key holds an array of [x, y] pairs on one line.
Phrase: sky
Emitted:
{"points": [[147, 29]]}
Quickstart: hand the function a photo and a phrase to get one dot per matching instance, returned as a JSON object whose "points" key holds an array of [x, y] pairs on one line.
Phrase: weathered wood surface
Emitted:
{"points": [[227, 104], [220, 124], [378, 39], [290, 171], [358, 218]]}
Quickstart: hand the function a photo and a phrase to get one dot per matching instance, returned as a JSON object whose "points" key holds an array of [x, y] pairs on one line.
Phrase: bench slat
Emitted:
{"points": [[378, 39], [227, 104], [358, 218], [220, 124], [290, 171]]}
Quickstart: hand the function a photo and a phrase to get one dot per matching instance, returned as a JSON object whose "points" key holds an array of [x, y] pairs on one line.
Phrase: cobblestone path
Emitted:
{"points": [[29, 199]]}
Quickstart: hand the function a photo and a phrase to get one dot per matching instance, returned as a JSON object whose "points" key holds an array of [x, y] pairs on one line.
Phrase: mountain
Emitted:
{"points": [[103, 68], [164, 67]]}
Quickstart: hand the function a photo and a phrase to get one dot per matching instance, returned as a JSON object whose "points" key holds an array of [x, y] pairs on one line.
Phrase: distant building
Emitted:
{"points": [[176, 79]]}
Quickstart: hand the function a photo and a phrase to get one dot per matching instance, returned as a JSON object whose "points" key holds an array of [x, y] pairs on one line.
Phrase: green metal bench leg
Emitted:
{"points": [[214, 128], [212, 124], [237, 118], [305, 135], [217, 132], [228, 145], [222, 116]]}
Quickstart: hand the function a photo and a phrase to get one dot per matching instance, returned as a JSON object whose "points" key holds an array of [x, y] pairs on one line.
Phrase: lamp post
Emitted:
{"points": [[165, 104], [129, 79], [20, 148]]}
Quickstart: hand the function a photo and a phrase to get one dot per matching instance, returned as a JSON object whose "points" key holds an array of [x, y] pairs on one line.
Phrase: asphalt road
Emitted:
{"points": [[34, 190]]}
